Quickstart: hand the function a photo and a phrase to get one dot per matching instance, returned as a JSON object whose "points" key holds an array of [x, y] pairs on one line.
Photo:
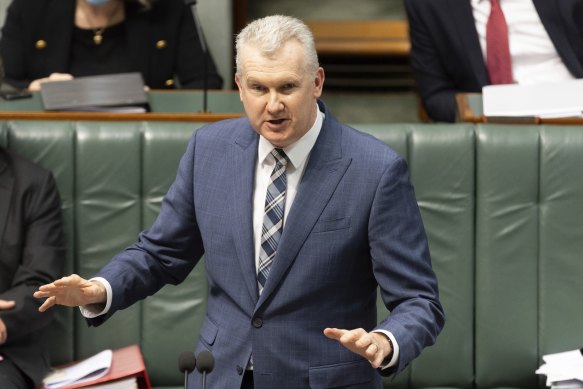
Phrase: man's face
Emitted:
{"points": [[278, 94]]}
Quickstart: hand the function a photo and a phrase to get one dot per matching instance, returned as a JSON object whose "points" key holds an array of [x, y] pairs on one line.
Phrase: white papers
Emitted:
{"points": [[548, 100], [88, 369], [563, 370]]}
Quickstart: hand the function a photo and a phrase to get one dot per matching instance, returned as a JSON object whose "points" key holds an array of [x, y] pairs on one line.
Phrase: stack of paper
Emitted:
{"points": [[548, 100], [87, 370], [563, 370]]}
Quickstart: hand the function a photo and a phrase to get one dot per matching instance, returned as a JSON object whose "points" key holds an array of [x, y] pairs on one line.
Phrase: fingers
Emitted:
{"points": [[369, 345], [69, 291], [7, 304], [334, 333], [70, 281], [3, 332], [51, 301]]}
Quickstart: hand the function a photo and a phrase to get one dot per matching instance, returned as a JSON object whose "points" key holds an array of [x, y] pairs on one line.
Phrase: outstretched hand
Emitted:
{"points": [[373, 346], [5, 305], [71, 291]]}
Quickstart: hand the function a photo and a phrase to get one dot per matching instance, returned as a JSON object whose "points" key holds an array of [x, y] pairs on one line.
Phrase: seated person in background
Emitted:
{"points": [[46, 40], [32, 253], [543, 42]]}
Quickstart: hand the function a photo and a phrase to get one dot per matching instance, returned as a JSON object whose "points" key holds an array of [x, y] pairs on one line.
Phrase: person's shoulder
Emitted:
{"points": [[23, 168], [422, 5], [226, 129], [360, 142], [169, 5]]}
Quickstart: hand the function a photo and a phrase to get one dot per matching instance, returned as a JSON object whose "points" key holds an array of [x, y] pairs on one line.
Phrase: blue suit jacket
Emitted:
{"points": [[354, 222], [446, 54]]}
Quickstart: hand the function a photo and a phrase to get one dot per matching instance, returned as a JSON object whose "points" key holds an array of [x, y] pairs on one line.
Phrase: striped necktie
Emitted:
{"points": [[273, 217]]}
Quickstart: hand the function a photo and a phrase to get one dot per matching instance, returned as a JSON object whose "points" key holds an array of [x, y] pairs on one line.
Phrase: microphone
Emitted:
{"points": [[206, 364], [186, 364], [200, 33]]}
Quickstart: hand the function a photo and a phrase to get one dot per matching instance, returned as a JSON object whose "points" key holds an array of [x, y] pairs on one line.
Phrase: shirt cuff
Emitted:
{"points": [[395, 357], [93, 310]]}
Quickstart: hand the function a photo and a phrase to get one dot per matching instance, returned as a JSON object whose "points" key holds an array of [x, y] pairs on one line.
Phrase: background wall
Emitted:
{"points": [[3, 5], [216, 19]]}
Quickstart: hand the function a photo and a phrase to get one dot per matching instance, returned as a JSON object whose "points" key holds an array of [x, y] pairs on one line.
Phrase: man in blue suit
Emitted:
{"points": [[299, 218]]}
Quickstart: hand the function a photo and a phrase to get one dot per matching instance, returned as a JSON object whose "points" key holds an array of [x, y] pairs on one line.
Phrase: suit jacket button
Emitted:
{"points": [[40, 44], [257, 322], [239, 370], [161, 44], [169, 82]]}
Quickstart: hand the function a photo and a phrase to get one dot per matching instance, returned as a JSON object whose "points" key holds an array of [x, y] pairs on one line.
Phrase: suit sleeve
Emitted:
{"points": [[13, 46], [402, 266], [165, 254], [190, 59], [436, 88], [43, 259]]}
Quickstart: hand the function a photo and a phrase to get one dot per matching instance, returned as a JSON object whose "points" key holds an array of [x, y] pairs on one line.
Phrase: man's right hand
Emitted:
{"points": [[71, 291]]}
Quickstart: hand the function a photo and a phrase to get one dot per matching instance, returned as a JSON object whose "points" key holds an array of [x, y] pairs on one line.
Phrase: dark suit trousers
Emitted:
{"points": [[11, 377]]}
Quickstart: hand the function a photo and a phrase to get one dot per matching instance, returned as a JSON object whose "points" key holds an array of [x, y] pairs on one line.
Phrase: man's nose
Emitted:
{"points": [[274, 103]]}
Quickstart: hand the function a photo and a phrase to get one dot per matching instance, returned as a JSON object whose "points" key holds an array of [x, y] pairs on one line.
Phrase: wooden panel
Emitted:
{"points": [[361, 37]]}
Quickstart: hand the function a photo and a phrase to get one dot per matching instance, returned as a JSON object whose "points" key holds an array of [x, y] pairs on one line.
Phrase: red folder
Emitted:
{"points": [[126, 362]]}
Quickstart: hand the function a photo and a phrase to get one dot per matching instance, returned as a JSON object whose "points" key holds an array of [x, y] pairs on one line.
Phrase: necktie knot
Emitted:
{"points": [[280, 157]]}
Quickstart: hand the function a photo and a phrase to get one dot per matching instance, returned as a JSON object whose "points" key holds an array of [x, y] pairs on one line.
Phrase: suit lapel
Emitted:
{"points": [[551, 15], [321, 177], [242, 161], [462, 17]]}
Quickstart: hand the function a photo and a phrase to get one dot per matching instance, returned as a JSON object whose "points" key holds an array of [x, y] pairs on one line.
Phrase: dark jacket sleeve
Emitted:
{"points": [[13, 47], [42, 254], [436, 89]]}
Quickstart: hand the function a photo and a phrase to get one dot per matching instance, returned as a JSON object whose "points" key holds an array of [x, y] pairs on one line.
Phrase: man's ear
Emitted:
{"points": [[239, 82], [319, 83]]}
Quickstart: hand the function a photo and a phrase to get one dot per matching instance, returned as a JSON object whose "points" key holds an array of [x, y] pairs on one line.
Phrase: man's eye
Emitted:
{"points": [[289, 86], [257, 88]]}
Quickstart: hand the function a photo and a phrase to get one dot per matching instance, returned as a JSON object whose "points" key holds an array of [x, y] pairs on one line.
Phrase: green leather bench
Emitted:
{"points": [[502, 205]]}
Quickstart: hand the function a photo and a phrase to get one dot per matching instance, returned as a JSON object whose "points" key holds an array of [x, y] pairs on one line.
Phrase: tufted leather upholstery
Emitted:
{"points": [[502, 205]]}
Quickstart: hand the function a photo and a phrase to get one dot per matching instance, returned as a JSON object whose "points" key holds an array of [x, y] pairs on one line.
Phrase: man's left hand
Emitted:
{"points": [[4, 306], [373, 346]]}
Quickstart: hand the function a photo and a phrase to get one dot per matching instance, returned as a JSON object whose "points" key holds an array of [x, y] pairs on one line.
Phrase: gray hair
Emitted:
{"points": [[271, 32]]}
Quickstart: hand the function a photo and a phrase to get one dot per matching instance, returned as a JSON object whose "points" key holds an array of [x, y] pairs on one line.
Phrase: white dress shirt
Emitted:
{"points": [[535, 59]]}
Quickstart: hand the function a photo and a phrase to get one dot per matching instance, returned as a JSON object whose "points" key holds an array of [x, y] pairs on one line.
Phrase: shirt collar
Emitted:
{"points": [[298, 151]]}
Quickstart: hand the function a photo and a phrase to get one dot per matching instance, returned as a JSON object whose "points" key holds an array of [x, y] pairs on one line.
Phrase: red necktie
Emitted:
{"points": [[498, 60]]}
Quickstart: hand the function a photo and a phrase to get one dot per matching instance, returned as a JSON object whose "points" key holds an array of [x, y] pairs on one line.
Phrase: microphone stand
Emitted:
{"points": [[204, 379], [201, 38]]}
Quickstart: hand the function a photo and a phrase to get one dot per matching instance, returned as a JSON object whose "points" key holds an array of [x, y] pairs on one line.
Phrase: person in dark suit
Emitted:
{"points": [[44, 40], [300, 219], [32, 253], [448, 46]]}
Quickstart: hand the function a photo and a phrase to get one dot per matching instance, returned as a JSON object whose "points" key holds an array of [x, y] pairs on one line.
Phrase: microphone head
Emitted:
{"points": [[206, 362], [186, 361]]}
